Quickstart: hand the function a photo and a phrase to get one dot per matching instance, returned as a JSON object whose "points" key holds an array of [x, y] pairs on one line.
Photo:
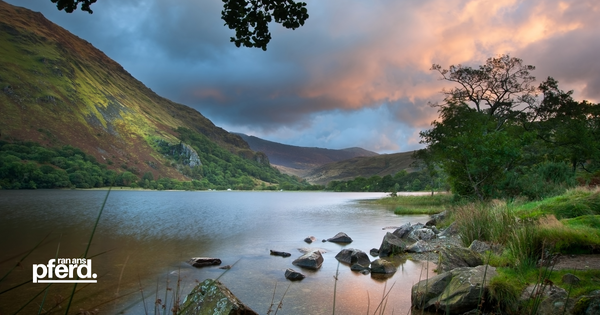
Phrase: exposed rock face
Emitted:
{"points": [[204, 261], [382, 266], [456, 257], [353, 256], [391, 245], [293, 275], [341, 237], [457, 291], [310, 260], [188, 155], [211, 297]]}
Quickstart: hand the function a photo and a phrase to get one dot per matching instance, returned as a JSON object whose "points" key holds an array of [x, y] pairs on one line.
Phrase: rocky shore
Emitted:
{"points": [[461, 285]]}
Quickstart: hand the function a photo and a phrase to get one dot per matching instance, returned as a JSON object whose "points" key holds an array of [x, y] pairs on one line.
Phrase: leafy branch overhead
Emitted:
{"points": [[249, 18]]}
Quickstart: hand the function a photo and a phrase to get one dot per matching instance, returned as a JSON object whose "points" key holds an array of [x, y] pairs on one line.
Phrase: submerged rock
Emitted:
{"points": [[204, 261], [278, 253], [211, 297], [341, 237], [310, 239]]}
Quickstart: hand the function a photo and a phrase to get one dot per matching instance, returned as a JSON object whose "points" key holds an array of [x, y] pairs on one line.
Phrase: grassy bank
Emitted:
{"points": [[530, 235], [418, 204]]}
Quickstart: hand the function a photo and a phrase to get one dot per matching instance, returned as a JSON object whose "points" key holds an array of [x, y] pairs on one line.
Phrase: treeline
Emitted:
{"points": [[500, 136], [29, 165], [401, 181]]}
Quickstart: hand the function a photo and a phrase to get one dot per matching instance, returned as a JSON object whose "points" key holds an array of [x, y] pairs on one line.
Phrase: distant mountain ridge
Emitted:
{"points": [[301, 158], [380, 165]]}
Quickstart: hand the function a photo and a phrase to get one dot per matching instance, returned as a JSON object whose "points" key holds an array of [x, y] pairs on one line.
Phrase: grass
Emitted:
{"points": [[530, 233], [424, 204]]}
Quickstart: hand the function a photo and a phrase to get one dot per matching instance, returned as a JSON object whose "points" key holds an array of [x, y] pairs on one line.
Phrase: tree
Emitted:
{"points": [[249, 18], [502, 87], [480, 134]]}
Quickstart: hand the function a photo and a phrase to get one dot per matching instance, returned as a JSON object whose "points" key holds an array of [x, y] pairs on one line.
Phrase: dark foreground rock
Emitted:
{"points": [[457, 291], [293, 275], [341, 237], [211, 297], [310, 260], [278, 253], [353, 256], [204, 261]]}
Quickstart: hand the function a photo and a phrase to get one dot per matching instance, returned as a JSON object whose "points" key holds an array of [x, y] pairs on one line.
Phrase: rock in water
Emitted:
{"points": [[211, 297], [293, 275], [391, 245], [310, 239], [341, 237], [353, 256], [278, 253], [204, 261], [382, 266], [310, 260]]}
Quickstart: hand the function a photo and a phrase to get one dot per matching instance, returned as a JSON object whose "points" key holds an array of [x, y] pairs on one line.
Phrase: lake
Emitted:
{"points": [[144, 238]]}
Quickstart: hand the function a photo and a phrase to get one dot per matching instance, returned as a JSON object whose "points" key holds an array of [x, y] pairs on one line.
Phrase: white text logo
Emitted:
{"points": [[66, 270]]}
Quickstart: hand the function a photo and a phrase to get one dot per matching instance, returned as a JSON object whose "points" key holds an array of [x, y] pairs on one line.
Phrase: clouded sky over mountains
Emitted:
{"points": [[356, 74]]}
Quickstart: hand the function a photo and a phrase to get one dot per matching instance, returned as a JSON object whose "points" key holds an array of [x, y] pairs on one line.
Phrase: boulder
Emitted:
{"points": [[457, 257], [374, 252], [587, 304], [212, 297], [452, 229], [278, 253], [403, 231], [457, 291], [436, 218], [360, 268], [341, 237], [310, 260], [418, 247], [204, 261], [310, 239], [552, 299], [571, 279], [293, 275], [422, 234], [479, 246], [353, 256], [391, 245], [383, 266]]}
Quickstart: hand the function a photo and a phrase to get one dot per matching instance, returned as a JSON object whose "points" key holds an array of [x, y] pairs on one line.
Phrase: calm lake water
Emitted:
{"points": [[144, 239]]}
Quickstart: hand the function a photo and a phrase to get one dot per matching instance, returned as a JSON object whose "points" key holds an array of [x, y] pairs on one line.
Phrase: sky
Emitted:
{"points": [[357, 74]]}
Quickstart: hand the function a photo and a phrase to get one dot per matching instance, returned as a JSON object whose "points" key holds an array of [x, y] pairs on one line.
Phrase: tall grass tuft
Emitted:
{"points": [[484, 222]]}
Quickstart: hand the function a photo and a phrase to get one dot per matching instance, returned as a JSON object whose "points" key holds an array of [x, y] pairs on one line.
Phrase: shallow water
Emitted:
{"points": [[144, 238]]}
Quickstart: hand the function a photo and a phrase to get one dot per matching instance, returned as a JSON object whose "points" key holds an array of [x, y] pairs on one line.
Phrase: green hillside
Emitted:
{"points": [[57, 90]]}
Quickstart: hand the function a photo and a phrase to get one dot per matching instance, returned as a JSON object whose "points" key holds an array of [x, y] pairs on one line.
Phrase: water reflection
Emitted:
{"points": [[144, 238]]}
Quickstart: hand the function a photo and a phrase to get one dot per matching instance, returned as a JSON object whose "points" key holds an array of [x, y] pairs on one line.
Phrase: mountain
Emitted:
{"points": [[56, 89], [380, 165], [300, 160]]}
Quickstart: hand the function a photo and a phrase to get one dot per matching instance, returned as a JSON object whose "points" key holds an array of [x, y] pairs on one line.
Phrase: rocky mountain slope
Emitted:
{"points": [[57, 89]]}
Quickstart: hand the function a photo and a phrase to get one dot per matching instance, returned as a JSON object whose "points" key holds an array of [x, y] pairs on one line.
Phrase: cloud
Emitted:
{"points": [[356, 74]]}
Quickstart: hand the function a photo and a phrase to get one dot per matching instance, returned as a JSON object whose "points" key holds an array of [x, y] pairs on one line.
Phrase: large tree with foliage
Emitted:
{"points": [[249, 18], [478, 136]]}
